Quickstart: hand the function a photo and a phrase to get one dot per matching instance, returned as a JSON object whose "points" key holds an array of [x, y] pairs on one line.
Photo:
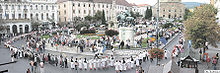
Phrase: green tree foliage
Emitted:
{"points": [[167, 25], [98, 16], [148, 14], [187, 14], [35, 25], [201, 27], [111, 32], [80, 25], [103, 17], [88, 18]]}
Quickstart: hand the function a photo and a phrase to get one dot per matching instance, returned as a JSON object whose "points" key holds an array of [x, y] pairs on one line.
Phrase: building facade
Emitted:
{"points": [[170, 9], [141, 8], [23, 12], [69, 9]]}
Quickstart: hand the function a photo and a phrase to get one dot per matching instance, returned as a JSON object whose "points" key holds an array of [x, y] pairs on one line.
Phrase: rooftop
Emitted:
{"points": [[118, 2]]}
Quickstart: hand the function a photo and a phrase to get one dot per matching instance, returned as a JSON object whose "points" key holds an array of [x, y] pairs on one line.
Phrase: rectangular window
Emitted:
{"points": [[65, 12], [79, 5], [7, 16], [84, 11], [65, 19], [19, 16], [13, 16], [0, 16], [73, 11]]}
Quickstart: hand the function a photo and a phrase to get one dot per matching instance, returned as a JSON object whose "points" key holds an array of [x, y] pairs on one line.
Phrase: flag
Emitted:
{"points": [[163, 40]]}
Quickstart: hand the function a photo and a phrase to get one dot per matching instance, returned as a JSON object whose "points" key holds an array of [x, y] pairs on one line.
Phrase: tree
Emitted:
{"points": [[148, 14], [187, 14], [103, 17], [35, 25], [88, 18], [167, 25], [98, 16], [133, 14], [201, 27]]}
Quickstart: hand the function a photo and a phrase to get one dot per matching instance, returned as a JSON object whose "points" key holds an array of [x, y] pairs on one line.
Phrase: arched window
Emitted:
{"points": [[6, 6], [36, 7], [31, 7], [31, 15], [25, 7]]}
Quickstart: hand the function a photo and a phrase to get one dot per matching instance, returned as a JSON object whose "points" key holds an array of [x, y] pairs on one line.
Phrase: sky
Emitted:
{"points": [[152, 2]]}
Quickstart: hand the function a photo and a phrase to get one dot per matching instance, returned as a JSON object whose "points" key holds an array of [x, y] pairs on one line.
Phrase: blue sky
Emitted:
{"points": [[152, 2]]}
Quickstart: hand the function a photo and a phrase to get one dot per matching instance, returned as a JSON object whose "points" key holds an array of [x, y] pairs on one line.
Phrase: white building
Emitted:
{"points": [[22, 12], [141, 9], [69, 9]]}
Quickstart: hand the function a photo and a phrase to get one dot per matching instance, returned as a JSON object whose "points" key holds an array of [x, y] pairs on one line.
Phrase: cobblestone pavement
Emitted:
{"points": [[23, 64]]}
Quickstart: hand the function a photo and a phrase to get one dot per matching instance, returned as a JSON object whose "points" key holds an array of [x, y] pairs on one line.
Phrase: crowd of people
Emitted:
{"points": [[35, 46]]}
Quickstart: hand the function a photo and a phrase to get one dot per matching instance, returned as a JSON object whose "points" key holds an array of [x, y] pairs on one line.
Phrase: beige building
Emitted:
{"points": [[170, 9], [69, 9]]}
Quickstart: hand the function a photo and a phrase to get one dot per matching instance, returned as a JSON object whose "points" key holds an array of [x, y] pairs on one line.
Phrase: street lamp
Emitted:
{"points": [[157, 27]]}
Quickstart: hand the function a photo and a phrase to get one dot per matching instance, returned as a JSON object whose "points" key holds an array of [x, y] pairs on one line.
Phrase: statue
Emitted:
{"points": [[125, 19]]}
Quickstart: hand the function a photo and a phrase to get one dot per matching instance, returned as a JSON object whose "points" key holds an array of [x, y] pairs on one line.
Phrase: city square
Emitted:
{"points": [[109, 36]]}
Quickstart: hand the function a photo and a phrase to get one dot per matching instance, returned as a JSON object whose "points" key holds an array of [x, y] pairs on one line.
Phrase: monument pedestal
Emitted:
{"points": [[125, 34]]}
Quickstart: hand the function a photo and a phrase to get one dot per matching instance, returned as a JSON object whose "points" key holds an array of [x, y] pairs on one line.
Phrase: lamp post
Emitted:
{"points": [[157, 24]]}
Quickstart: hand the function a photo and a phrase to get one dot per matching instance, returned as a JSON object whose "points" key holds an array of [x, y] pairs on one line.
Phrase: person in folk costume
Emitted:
{"points": [[85, 65], [108, 62], [90, 64], [76, 64], [132, 62], [72, 65], [147, 54], [128, 63], [98, 63], [140, 57], [112, 60], [165, 54], [120, 65], [144, 56], [124, 65], [116, 64], [137, 61], [95, 63], [56, 61], [103, 62], [65, 62], [80, 64]]}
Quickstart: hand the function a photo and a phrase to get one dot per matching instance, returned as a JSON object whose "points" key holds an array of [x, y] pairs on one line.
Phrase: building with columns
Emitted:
{"points": [[18, 14], [169, 9]]}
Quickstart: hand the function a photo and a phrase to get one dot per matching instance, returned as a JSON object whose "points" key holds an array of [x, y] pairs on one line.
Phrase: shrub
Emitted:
{"points": [[87, 31], [111, 32], [155, 52]]}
